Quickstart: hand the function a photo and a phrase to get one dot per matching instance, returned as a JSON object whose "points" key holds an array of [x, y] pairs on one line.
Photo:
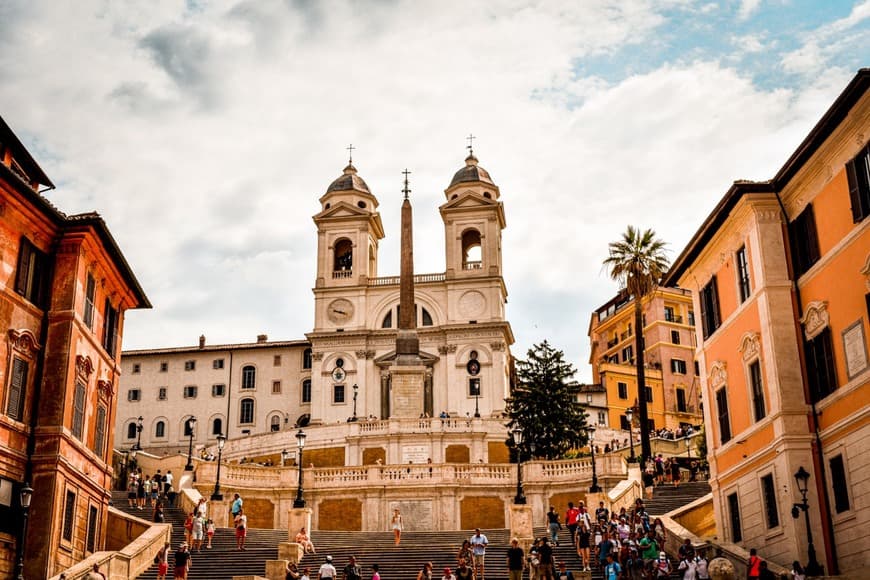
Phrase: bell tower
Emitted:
{"points": [[473, 221]]}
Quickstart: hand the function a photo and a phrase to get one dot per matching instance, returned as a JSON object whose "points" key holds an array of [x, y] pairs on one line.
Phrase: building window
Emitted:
{"points": [[474, 386], [190, 392], [648, 394], [217, 364], [804, 241], [759, 412], [190, 365], [613, 359], [131, 430], [839, 485], [858, 174], [306, 391], [724, 419], [217, 426], [188, 428], [387, 322], [697, 369], [100, 431], [32, 276], [602, 418], [709, 300], [821, 373], [276, 360], [743, 274], [338, 393], [681, 401], [134, 395], [69, 512], [691, 318], [622, 390], [164, 366], [276, 387], [669, 313], [91, 538], [137, 368], [246, 411], [426, 318], [343, 255], [90, 293], [78, 419], [771, 510], [249, 377], [275, 423], [623, 423], [161, 393], [675, 337], [628, 354], [110, 329], [306, 358], [160, 429], [734, 516], [17, 389], [678, 366], [218, 390]]}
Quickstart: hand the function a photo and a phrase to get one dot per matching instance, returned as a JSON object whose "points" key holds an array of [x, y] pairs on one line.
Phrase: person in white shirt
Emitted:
{"points": [[327, 570]]}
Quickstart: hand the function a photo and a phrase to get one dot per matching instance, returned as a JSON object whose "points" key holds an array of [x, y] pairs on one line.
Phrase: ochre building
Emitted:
{"points": [[65, 288], [780, 273]]}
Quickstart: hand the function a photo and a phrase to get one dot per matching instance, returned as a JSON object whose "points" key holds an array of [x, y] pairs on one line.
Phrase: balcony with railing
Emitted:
{"points": [[418, 279], [478, 265], [671, 317], [340, 274]]}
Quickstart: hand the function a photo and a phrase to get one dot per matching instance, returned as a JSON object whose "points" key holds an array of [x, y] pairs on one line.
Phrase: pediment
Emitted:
{"points": [[469, 199], [385, 360], [343, 209]]}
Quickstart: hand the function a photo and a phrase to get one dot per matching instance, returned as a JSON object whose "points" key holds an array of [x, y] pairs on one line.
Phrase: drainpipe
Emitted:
{"points": [[819, 454]]}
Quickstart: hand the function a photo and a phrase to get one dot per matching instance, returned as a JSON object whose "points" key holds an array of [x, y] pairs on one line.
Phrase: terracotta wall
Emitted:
{"points": [[339, 514], [327, 457], [459, 454], [481, 512]]}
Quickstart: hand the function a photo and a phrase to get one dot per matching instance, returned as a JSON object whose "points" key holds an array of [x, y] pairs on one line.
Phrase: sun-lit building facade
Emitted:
{"points": [[780, 273]]}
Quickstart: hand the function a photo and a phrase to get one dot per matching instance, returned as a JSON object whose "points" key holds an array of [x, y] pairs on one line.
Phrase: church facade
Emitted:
{"points": [[343, 371]]}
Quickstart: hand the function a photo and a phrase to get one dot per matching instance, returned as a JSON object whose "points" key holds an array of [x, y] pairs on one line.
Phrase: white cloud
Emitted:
{"points": [[846, 36], [205, 137], [747, 8]]}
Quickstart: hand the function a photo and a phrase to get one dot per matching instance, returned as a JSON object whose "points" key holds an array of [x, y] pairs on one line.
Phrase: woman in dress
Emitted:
{"points": [[397, 525], [583, 545]]}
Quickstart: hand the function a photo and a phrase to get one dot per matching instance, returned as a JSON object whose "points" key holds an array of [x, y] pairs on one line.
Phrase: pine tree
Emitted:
{"points": [[544, 404]]}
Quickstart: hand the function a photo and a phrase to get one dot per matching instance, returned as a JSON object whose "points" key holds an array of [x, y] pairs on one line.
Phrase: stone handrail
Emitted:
{"points": [[626, 491]]}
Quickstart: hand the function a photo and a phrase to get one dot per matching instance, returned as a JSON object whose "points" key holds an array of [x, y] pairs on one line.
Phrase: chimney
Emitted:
{"points": [[261, 338], [201, 341]]}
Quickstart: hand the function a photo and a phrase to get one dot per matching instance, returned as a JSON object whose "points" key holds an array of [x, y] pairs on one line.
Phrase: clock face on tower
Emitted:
{"points": [[340, 310]]}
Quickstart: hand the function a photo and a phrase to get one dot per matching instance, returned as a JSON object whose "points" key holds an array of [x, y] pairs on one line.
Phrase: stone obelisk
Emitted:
{"points": [[408, 373]]}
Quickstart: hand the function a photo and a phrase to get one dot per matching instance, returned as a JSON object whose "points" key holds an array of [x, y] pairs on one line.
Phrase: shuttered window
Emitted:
{"points": [[69, 512], [858, 174], [110, 329], [31, 278], [734, 516], [100, 431], [90, 292], [17, 389], [710, 318], [821, 372], [771, 510], [838, 482], [758, 407], [724, 419], [804, 241], [91, 542], [78, 422]]}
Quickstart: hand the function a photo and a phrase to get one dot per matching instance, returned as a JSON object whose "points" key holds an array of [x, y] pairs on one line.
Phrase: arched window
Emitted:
{"points": [[425, 317], [343, 255], [471, 252], [217, 426], [249, 377], [388, 320], [275, 423], [246, 411], [160, 429], [131, 431], [306, 358], [306, 391], [189, 428]]}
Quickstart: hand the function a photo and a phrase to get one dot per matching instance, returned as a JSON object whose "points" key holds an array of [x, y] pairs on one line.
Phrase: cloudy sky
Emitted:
{"points": [[204, 133]]}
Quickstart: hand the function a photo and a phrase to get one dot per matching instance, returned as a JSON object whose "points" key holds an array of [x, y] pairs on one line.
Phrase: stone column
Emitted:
{"points": [[521, 525], [296, 519], [219, 512]]}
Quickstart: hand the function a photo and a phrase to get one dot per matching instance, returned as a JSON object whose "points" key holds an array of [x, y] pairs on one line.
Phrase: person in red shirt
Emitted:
{"points": [[571, 520], [753, 566]]}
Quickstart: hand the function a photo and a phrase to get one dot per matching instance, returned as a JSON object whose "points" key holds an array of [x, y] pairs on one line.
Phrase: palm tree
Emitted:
{"points": [[638, 262]]}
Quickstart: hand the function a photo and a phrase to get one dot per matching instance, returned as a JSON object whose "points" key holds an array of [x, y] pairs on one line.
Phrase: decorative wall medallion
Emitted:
{"points": [[84, 366], [718, 374], [105, 387], [815, 319], [472, 303], [750, 345]]}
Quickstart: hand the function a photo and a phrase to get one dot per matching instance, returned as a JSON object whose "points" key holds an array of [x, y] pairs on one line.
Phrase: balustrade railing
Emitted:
{"points": [[473, 265], [336, 274], [418, 279]]}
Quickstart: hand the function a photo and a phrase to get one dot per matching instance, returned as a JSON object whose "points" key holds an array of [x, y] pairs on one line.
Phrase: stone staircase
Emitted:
{"points": [[667, 498]]}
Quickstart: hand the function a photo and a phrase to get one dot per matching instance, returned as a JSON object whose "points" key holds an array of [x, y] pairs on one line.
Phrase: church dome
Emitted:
{"points": [[349, 181], [472, 172]]}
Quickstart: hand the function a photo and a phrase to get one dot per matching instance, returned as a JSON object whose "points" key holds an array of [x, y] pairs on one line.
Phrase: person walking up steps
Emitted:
{"points": [[478, 552], [516, 560], [327, 570]]}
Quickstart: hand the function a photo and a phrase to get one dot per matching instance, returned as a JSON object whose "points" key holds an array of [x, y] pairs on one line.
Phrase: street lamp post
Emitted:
{"points": [[285, 455], [139, 432], [629, 415], [26, 496], [517, 434], [217, 495], [355, 390], [191, 422], [476, 405], [594, 488], [299, 502], [802, 477]]}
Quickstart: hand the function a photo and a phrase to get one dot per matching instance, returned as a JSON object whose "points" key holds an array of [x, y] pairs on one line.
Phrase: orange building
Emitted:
{"points": [[780, 273], [66, 287], [669, 336]]}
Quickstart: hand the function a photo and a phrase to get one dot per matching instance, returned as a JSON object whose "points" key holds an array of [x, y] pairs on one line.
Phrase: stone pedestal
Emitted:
{"points": [[521, 525], [721, 569], [592, 500], [298, 518], [406, 391], [276, 569], [219, 512], [290, 551]]}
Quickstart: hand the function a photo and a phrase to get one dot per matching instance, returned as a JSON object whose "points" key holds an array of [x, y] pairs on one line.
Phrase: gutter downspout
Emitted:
{"points": [[819, 454]]}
